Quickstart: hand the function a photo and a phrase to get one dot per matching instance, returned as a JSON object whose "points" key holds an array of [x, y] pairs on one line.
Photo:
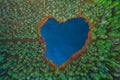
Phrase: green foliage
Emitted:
{"points": [[23, 60], [1, 58]]}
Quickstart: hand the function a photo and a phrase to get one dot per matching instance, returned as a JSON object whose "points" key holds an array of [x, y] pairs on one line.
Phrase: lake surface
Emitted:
{"points": [[63, 39]]}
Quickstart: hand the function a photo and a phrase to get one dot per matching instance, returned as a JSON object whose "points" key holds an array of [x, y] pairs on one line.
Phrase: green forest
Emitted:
{"points": [[21, 50]]}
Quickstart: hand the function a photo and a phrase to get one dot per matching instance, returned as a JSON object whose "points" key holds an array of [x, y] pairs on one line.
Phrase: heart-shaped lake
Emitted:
{"points": [[63, 39]]}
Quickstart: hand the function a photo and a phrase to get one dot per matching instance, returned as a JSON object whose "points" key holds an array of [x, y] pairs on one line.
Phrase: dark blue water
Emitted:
{"points": [[64, 39]]}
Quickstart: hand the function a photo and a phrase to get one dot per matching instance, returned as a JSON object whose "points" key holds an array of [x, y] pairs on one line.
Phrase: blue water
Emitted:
{"points": [[64, 39]]}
